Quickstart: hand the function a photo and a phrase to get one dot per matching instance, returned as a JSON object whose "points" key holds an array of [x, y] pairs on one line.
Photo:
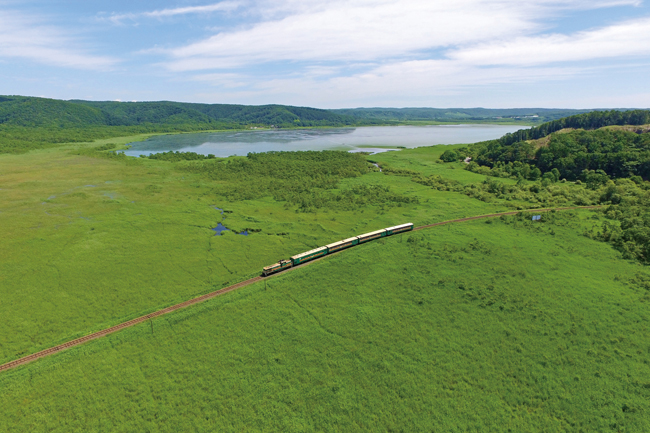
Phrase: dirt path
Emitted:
{"points": [[99, 334]]}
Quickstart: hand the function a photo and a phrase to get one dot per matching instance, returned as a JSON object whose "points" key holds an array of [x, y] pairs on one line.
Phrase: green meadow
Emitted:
{"points": [[494, 325], [499, 325], [88, 241]]}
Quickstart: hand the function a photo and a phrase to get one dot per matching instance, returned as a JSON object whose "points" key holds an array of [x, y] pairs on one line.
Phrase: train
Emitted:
{"points": [[334, 247]]}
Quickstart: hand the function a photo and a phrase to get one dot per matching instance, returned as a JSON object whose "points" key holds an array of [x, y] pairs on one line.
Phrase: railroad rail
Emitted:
{"points": [[133, 322]]}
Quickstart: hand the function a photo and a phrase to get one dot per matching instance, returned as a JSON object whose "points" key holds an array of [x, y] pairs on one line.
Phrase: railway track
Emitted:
{"points": [[133, 322], [493, 215]]}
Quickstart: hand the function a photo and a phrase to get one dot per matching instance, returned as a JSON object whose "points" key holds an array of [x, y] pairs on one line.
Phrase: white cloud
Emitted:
{"points": [[368, 30], [164, 13], [356, 30], [26, 37], [624, 39], [429, 79], [404, 83], [402, 51], [223, 6]]}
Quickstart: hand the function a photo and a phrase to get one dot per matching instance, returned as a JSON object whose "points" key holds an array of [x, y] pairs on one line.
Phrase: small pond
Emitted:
{"points": [[221, 228]]}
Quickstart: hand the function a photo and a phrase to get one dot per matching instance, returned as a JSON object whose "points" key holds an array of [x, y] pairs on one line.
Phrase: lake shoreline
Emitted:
{"points": [[364, 138]]}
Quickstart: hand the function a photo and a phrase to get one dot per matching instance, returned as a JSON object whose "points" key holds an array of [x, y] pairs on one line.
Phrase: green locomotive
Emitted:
{"points": [[334, 247]]}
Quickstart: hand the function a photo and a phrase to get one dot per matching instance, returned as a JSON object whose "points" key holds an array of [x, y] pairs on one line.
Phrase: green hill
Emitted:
{"points": [[29, 123], [137, 113], [41, 112], [612, 144], [29, 112], [532, 115]]}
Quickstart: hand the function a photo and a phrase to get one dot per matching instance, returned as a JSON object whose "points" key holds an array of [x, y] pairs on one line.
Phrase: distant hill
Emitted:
{"points": [[41, 112], [457, 114], [51, 113], [29, 122]]}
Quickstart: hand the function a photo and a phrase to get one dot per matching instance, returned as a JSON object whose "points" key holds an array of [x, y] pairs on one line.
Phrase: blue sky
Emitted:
{"points": [[334, 54]]}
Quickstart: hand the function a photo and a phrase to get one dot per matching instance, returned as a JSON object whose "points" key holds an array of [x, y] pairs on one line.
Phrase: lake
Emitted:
{"points": [[368, 138]]}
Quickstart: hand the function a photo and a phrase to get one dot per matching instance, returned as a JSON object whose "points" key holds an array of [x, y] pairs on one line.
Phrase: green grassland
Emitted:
{"points": [[500, 325], [88, 242], [426, 161], [463, 327]]}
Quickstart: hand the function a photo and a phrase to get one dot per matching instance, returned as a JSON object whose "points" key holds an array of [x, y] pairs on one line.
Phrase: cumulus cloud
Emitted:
{"points": [[27, 37]]}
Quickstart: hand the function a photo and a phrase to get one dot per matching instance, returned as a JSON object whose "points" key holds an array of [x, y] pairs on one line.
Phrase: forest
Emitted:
{"points": [[586, 147], [51, 113], [592, 120], [606, 153]]}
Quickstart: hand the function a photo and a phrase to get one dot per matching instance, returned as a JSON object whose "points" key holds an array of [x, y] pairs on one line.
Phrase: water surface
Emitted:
{"points": [[221, 228], [372, 138]]}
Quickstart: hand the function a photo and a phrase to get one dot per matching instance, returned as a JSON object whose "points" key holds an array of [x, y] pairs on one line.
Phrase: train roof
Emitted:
{"points": [[399, 226], [344, 241], [371, 233], [306, 253]]}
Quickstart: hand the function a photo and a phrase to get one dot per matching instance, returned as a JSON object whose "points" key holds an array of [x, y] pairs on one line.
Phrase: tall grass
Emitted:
{"points": [[503, 325], [89, 242]]}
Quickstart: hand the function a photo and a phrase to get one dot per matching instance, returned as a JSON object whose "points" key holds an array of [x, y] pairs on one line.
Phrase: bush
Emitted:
{"points": [[449, 156]]}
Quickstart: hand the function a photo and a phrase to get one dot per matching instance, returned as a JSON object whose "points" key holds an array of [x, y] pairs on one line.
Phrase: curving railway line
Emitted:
{"points": [[112, 329]]}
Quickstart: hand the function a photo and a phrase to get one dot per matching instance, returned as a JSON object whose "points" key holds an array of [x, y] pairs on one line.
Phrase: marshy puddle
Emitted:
{"points": [[221, 228]]}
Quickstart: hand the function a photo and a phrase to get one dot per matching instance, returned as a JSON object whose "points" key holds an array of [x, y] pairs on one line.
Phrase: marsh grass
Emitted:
{"points": [[88, 242], [510, 325], [488, 325]]}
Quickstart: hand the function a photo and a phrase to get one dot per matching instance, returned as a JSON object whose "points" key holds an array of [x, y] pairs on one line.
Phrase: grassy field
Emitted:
{"points": [[89, 242], [426, 161], [481, 326]]}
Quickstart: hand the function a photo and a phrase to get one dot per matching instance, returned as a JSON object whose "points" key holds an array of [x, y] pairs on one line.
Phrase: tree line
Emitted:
{"points": [[592, 120], [591, 156]]}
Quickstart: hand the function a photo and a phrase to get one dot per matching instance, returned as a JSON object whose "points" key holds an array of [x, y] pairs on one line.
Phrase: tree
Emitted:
{"points": [[449, 156], [535, 174]]}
